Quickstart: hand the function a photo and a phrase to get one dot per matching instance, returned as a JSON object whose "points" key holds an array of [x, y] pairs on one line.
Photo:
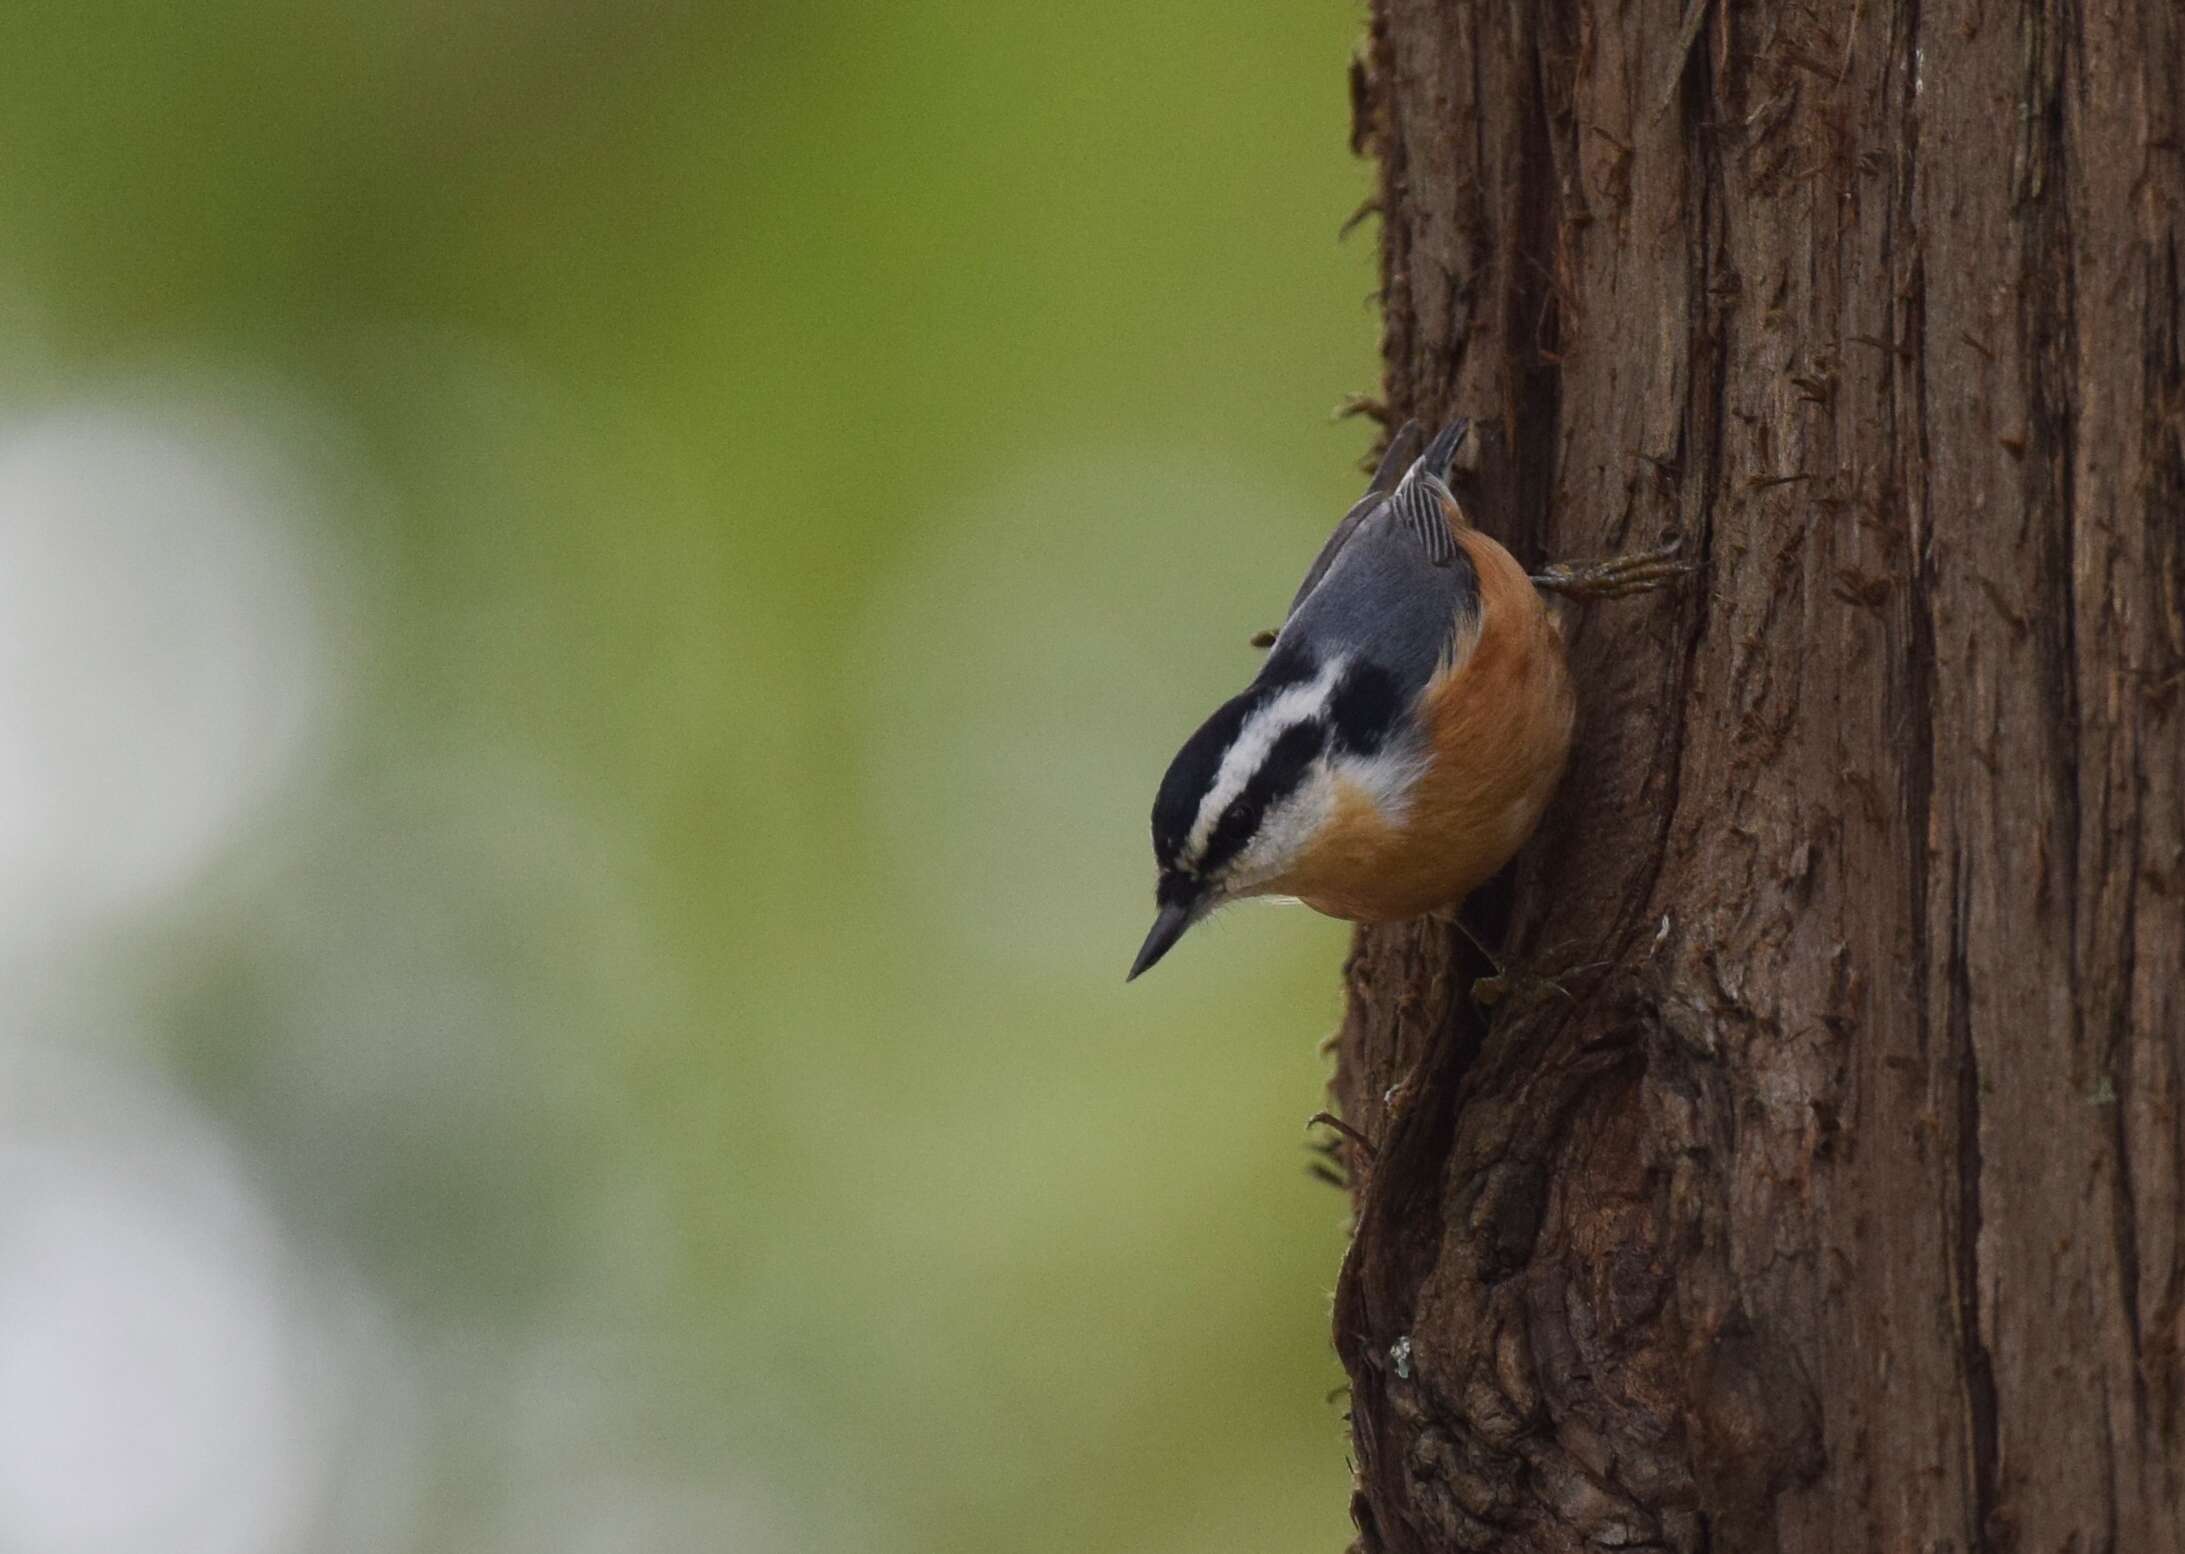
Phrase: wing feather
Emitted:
{"points": [[1418, 508], [1402, 451], [1392, 588]]}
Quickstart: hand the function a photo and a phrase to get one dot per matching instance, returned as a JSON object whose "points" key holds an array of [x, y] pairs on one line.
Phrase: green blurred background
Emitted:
{"points": [[594, 597]]}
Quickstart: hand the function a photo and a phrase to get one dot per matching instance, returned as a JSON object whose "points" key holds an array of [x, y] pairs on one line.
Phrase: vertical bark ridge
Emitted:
{"points": [[1983, 1425]]}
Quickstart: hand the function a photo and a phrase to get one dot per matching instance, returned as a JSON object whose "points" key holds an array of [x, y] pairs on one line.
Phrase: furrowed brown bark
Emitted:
{"points": [[1815, 1181]]}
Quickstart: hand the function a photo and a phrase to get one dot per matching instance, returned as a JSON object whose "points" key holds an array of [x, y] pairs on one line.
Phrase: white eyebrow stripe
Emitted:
{"points": [[1248, 751]]}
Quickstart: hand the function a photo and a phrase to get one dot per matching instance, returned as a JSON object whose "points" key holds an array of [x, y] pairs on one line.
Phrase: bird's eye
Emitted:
{"points": [[1235, 828]]}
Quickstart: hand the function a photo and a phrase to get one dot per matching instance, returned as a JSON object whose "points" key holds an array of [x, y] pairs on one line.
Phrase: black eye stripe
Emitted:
{"points": [[1198, 763], [1176, 807], [1363, 711], [1288, 759]]}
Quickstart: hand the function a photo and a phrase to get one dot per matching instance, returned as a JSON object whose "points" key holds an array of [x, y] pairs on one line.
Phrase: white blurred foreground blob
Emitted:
{"points": [[170, 1380], [176, 1377], [161, 659]]}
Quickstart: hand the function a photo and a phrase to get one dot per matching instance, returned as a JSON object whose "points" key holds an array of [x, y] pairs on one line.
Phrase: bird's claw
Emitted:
{"points": [[1617, 577]]}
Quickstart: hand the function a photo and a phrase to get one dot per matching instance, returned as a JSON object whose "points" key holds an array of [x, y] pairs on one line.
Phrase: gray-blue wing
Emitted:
{"points": [[1382, 602], [1409, 491], [1403, 448], [1393, 589]]}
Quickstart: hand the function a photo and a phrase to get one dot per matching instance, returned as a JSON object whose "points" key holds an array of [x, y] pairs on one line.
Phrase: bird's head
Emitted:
{"points": [[1255, 788]]}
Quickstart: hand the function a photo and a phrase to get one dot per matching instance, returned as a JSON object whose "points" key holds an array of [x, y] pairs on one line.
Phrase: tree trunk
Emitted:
{"points": [[1814, 1183]]}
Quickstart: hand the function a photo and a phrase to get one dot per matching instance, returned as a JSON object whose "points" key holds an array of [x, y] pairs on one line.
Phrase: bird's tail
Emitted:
{"points": [[1442, 451], [1424, 502]]}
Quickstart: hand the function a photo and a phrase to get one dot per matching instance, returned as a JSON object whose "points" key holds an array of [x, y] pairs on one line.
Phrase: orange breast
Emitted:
{"points": [[1500, 725]]}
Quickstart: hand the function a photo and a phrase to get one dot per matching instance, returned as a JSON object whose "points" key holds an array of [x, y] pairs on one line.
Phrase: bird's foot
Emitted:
{"points": [[1618, 576]]}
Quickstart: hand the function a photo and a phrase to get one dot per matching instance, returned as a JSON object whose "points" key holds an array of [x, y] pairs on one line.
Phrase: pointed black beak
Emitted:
{"points": [[1167, 929]]}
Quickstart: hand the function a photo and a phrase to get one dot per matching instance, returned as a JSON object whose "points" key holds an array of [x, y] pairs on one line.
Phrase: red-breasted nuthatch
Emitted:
{"points": [[1407, 729]]}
